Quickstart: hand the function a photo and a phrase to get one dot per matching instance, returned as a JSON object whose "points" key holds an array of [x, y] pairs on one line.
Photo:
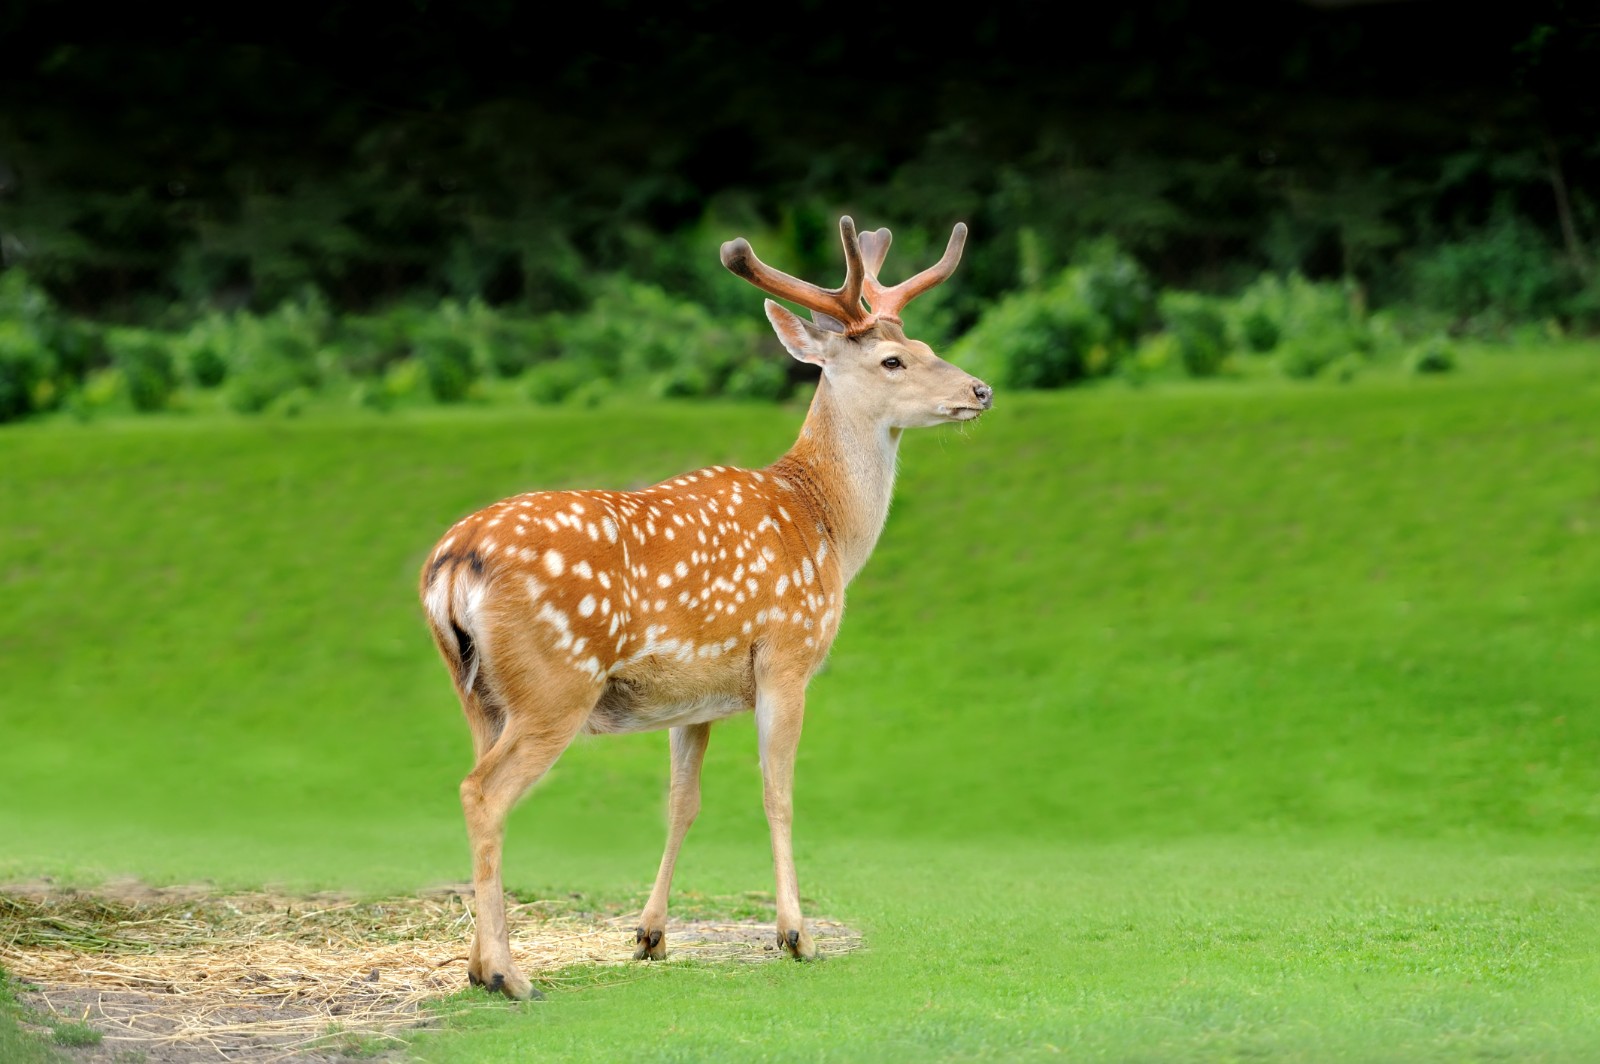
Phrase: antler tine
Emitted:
{"points": [[874, 247], [888, 302], [841, 305]]}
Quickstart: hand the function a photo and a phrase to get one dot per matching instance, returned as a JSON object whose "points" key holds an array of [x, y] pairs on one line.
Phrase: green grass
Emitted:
{"points": [[17, 1045], [1229, 722]]}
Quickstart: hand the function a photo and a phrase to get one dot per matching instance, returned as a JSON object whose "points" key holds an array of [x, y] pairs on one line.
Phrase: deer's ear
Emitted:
{"points": [[804, 340]]}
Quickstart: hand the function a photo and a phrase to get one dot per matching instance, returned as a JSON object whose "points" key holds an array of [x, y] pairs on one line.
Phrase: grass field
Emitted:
{"points": [[1250, 722]]}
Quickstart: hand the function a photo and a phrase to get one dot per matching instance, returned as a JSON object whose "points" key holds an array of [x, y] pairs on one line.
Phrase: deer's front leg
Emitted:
{"points": [[780, 710], [683, 805]]}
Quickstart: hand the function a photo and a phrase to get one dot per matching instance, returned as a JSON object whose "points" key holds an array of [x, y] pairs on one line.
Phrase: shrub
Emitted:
{"points": [[446, 365], [1307, 325], [273, 354], [26, 367], [1082, 324], [1434, 355], [148, 370], [1199, 331], [1506, 271], [553, 382], [758, 378]]}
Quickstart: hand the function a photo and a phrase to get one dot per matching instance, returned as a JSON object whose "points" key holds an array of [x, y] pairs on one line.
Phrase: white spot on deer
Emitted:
{"points": [[616, 621], [670, 534], [594, 533], [663, 580], [553, 563], [661, 604], [554, 618], [794, 618], [605, 606], [746, 627], [586, 608], [807, 568], [486, 547], [677, 519], [784, 514], [583, 570], [682, 569], [604, 578], [577, 508], [609, 526], [491, 524], [768, 553]]}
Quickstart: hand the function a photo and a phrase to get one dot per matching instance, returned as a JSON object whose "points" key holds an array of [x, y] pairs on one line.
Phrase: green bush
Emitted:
{"points": [[552, 382], [1506, 271], [145, 360], [1199, 331], [1082, 324], [1306, 325], [26, 369], [1433, 355], [447, 365], [273, 354]]}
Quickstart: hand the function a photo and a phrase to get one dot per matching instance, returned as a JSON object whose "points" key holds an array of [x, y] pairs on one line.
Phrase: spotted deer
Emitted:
{"points": [[712, 593]]}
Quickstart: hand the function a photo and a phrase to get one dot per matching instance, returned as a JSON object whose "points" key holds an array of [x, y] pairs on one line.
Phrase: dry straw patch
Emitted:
{"points": [[185, 975]]}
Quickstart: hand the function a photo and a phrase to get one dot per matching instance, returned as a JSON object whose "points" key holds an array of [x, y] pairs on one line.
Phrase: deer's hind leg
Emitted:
{"points": [[683, 805], [540, 708]]}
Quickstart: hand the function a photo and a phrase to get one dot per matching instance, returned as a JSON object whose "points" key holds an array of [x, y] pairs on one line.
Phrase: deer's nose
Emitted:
{"points": [[984, 393]]}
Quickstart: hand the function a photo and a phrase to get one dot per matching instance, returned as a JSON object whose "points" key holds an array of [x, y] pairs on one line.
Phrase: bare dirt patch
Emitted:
{"points": [[186, 974]]}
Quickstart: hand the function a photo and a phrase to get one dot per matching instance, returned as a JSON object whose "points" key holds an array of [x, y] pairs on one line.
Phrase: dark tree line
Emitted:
{"points": [[503, 151]]}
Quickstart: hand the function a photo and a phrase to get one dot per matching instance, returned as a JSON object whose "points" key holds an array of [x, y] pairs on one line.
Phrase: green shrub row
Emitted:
{"points": [[632, 338], [1103, 317]]}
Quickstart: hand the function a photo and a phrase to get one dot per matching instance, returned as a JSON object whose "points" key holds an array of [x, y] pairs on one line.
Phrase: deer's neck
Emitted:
{"points": [[843, 464]]}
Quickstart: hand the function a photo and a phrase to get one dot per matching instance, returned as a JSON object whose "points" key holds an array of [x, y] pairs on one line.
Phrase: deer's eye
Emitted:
{"points": [[892, 363]]}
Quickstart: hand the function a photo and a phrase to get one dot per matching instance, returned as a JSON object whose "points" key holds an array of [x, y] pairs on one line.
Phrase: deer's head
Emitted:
{"points": [[856, 335]]}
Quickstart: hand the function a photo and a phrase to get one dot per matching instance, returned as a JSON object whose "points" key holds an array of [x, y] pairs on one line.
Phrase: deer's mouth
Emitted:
{"points": [[963, 413]]}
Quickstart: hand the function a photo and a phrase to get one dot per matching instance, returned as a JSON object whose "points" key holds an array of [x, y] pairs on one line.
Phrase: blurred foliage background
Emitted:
{"points": [[434, 202]]}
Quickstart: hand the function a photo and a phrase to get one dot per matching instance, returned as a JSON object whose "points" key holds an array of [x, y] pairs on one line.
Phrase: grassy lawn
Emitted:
{"points": [[1233, 722]]}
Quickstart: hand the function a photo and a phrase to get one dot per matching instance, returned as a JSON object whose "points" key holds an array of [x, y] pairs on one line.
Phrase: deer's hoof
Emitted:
{"points": [[510, 982], [651, 943], [797, 943]]}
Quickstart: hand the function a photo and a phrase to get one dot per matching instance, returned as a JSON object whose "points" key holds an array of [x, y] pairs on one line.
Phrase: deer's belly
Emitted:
{"points": [[642, 699]]}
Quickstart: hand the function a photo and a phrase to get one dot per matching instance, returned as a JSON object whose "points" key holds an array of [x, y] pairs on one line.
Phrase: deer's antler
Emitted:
{"points": [[887, 303], [842, 308]]}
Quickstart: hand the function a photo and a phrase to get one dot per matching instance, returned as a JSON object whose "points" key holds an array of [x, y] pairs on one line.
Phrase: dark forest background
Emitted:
{"points": [[155, 166]]}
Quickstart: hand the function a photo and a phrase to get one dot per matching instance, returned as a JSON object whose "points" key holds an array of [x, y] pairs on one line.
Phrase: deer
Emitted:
{"points": [[712, 593]]}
